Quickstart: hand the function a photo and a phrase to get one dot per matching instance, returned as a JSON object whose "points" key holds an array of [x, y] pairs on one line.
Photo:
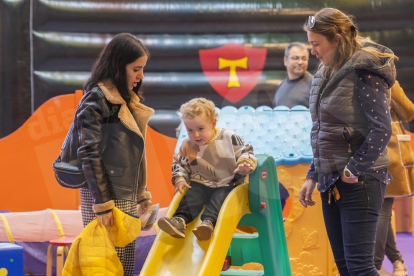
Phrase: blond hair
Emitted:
{"points": [[329, 22], [197, 107]]}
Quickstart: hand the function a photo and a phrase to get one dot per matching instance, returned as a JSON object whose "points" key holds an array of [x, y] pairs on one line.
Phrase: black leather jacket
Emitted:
{"points": [[115, 168]]}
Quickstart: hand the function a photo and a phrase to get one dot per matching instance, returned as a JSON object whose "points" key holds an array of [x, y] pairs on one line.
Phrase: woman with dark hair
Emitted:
{"points": [[111, 124], [349, 101]]}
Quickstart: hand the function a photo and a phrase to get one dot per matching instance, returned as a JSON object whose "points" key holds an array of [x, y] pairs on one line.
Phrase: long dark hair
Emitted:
{"points": [[122, 50]]}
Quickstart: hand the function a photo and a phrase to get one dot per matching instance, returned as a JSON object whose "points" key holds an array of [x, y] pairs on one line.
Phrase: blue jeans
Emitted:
{"points": [[351, 224]]}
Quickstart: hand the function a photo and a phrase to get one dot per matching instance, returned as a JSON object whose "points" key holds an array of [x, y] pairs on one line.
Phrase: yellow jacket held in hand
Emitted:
{"points": [[401, 164], [93, 251]]}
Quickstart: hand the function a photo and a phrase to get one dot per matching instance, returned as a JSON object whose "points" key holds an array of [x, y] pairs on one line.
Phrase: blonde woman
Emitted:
{"points": [[349, 101]]}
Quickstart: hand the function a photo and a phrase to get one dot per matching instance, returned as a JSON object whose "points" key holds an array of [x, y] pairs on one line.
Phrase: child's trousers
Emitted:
{"points": [[195, 198]]}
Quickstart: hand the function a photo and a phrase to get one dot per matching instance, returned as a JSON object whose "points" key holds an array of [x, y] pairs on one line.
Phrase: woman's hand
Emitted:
{"points": [[179, 187], [145, 205], [243, 169], [106, 219], [305, 193], [350, 180]]}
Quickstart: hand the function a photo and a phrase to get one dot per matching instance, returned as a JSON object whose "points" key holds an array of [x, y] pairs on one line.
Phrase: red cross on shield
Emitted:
{"points": [[233, 70]]}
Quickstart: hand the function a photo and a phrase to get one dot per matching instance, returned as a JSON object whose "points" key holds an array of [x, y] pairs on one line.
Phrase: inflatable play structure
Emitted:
{"points": [[51, 52], [44, 57]]}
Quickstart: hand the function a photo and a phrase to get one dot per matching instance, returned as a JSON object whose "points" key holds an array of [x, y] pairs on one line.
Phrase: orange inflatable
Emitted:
{"points": [[27, 179]]}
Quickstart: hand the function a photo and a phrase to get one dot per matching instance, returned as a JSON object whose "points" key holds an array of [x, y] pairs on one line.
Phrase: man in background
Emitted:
{"points": [[294, 90]]}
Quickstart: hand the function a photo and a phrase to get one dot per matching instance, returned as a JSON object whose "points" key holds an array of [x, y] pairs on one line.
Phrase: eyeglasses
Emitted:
{"points": [[312, 20], [297, 58]]}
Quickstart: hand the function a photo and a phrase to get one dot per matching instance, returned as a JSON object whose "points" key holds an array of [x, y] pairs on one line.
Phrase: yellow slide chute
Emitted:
{"points": [[171, 256]]}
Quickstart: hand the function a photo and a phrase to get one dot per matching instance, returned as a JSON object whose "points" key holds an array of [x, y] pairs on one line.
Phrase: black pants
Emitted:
{"points": [[195, 198], [351, 224]]}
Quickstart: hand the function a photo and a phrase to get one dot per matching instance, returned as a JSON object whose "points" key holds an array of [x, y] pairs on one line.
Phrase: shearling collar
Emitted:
{"points": [[135, 117]]}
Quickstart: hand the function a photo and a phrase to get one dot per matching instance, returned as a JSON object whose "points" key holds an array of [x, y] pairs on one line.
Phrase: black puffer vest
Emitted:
{"points": [[339, 126]]}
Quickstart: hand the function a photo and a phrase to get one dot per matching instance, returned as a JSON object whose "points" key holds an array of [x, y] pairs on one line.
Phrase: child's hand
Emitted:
{"points": [[180, 186], [243, 169]]}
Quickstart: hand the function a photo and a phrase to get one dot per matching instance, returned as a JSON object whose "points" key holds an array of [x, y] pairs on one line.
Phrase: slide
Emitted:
{"points": [[170, 256]]}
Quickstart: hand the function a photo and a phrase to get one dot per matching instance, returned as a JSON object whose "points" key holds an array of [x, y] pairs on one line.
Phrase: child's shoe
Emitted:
{"points": [[400, 269], [174, 226], [204, 231]]}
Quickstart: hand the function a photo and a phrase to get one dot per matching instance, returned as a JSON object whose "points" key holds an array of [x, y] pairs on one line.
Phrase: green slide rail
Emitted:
{"points": [[269, 246]]}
